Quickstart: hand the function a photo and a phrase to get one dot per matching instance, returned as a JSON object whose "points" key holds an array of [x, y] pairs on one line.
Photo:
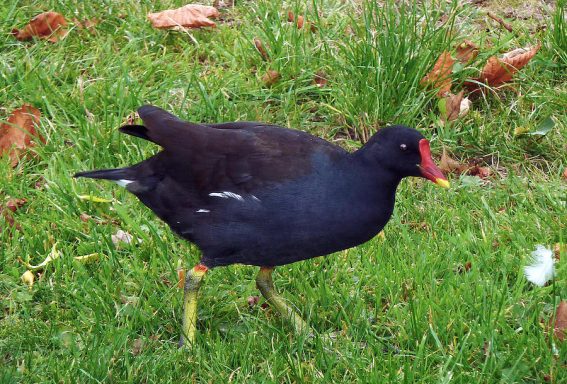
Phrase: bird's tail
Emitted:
{"points": [[108, 174]]}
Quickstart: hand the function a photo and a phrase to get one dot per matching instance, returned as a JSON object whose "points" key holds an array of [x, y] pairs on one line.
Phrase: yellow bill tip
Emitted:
{"points": [[442, 183]]}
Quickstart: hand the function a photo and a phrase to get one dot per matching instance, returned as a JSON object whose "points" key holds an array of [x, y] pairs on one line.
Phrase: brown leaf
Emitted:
{"points": [[452, 106], [498, 71], [180, 277], [46, 25], [466, 51], [260, 47], [137, 346], [188, 16], [84, 217], [565, 174], [320, 79], [17, 133], [482, 172], [560, 321], [271, 77], [290, 16], [440, 75], [9, 208], [449, 165], [300, 22]]}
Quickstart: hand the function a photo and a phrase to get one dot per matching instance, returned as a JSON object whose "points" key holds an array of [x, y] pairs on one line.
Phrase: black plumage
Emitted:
{"points": [[264, 195]]}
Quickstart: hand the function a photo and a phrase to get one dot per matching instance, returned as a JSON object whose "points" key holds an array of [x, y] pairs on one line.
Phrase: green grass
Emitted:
{"points": [[401, 308]]}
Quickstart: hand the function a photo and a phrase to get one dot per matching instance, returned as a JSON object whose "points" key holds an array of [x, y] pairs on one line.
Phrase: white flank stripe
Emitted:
{"points": [[123, 182], [203, 210], [226, 195]]}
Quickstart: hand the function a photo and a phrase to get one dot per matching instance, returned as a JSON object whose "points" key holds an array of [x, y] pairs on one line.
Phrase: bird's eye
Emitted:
{"points": [[403, 147]]}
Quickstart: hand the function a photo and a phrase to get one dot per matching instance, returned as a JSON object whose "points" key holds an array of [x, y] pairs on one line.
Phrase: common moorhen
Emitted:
{"points": [[264, 195]]}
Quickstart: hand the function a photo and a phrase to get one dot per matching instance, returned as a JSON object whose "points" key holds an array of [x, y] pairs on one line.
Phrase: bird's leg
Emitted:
{"points": [[192, 284], [265, 284]]}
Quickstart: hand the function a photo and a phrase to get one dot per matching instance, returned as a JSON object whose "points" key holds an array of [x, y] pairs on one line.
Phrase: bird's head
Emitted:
{"points": [[405, 152]]}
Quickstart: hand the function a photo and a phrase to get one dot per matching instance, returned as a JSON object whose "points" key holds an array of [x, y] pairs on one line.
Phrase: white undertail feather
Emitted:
{"points": [[541, 269], [123, 182], [203, 211]]}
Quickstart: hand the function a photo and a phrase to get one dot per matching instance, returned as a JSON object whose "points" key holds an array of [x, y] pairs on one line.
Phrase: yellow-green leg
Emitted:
{"points": [[265, 284], [192, 284]]}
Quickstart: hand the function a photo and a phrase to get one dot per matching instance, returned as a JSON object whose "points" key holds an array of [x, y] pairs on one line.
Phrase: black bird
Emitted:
{"points": [[264, 195]]}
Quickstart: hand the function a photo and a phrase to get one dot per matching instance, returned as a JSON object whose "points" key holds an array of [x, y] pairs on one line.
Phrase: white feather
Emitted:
{"points": [[123, 182], [226, 195], [203, 210], [541, 269]]}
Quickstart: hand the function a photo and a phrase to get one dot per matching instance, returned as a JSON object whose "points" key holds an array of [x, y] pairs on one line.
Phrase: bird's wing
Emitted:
{"points": [[237, 157]]}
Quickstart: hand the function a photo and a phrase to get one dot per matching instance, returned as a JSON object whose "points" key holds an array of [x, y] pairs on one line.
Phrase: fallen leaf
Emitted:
{"points": [[18, 132], [88, 258], [188, 16], [482, 172], [465, 106], [180, 277], [137, 346], [271, 77], [260, 47], [219, 4], [558, 248], [450, 165], [440, 75], [565, 174], [466, 51], [290, 16], [94, 199], [320, 79], [53, 255], [560, 321], [28, 278], [9, 208], [300, 22], [543, 128], [450, 106], [84, 217], [46, 25], [498, 71]]}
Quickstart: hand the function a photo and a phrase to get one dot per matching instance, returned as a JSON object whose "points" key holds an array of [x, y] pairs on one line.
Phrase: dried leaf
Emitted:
{"points": [[449, 165], [8, 209], [290, 16], [320, 79], [260, 47], [180, 277], [450, 106], [560, 321], [271, 77], [84, 217], [498, 71], [465, 106], [565, 174], [188, 16], [440, 75], [28, 278], [17, 134], [300, 22], [137, 346], [482, 172], [88, 258], [14, 204], [53, 255], [47, 25], [94, 199], [466, 51]]}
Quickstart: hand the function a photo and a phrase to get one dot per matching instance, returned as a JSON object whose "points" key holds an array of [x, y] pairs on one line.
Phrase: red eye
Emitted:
{"points": [[403, 147]]}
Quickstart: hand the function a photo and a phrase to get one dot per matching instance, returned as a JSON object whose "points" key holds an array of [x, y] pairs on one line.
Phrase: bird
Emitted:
{"points": [[263, 195]]}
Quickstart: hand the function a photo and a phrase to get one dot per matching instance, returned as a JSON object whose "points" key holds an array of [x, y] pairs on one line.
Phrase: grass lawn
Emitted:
{"points": [[440, 298]]}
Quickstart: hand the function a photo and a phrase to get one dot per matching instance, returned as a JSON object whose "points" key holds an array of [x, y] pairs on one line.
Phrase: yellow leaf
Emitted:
{"points": [[28, 278]]}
